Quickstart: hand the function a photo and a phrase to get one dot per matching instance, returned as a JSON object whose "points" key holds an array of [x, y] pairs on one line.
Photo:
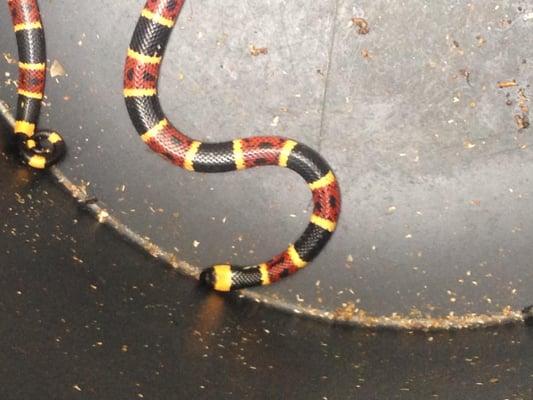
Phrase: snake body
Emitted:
{"points": [[141, 74], [39, 149]]}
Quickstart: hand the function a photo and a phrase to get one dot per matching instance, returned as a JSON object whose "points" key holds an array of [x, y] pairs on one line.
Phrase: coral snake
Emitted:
{"points": [[38, 148], [141, 73]]}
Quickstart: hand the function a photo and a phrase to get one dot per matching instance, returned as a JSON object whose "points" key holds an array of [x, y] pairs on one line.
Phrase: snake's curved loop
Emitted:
{"points": [[140, 90], [42, 150], [39, 149]]}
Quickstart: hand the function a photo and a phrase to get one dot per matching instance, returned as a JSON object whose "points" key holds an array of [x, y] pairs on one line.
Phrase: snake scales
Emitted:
{"points": [[41, 149]]}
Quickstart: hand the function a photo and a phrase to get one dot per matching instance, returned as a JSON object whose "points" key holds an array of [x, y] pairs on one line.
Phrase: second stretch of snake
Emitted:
{"points": [[141, 74]]}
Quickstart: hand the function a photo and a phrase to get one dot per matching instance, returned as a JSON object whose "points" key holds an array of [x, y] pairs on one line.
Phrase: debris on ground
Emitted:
{"points": [[522, 119], [507, 84], [258, 51], [9, 58], [365, 53], [57, 69], [362, 25]]}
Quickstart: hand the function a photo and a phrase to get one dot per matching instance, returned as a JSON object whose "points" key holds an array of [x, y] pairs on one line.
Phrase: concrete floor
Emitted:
{"points": [[434, 171]]}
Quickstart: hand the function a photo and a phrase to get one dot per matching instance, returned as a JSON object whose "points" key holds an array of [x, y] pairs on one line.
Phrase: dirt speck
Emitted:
{"points": [[522, 121], [346, 312], [361, 24], [57, 69], [9, 58], [365, 53], [465, 72], [506, 84], [258, 51], [467, 144]]}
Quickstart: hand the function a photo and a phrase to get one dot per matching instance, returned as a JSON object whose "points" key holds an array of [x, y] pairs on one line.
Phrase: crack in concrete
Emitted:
{"points": [[328, 70]]}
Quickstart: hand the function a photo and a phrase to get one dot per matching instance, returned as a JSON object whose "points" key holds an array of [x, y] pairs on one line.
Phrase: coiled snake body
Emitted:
{"points": [[39, 149], [141, 75]]}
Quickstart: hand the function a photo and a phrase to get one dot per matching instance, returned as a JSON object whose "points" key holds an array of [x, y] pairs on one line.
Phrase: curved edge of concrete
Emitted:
{"points": [[347, 315]]}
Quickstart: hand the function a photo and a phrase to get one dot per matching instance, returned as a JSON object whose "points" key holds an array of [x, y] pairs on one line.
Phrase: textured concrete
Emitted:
{"points": [[435, 174], [113, 324]]}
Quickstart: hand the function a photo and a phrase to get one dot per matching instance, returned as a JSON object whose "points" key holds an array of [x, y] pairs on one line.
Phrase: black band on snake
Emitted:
{"points": [[140, 90], [39, 149]]}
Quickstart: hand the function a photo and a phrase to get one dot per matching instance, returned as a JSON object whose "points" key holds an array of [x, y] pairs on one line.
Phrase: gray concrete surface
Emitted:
{"points": [[434, 170]]}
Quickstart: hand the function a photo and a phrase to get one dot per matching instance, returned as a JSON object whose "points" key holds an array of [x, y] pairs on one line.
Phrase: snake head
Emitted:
{"points": [[208, 278], [218, 277]]}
